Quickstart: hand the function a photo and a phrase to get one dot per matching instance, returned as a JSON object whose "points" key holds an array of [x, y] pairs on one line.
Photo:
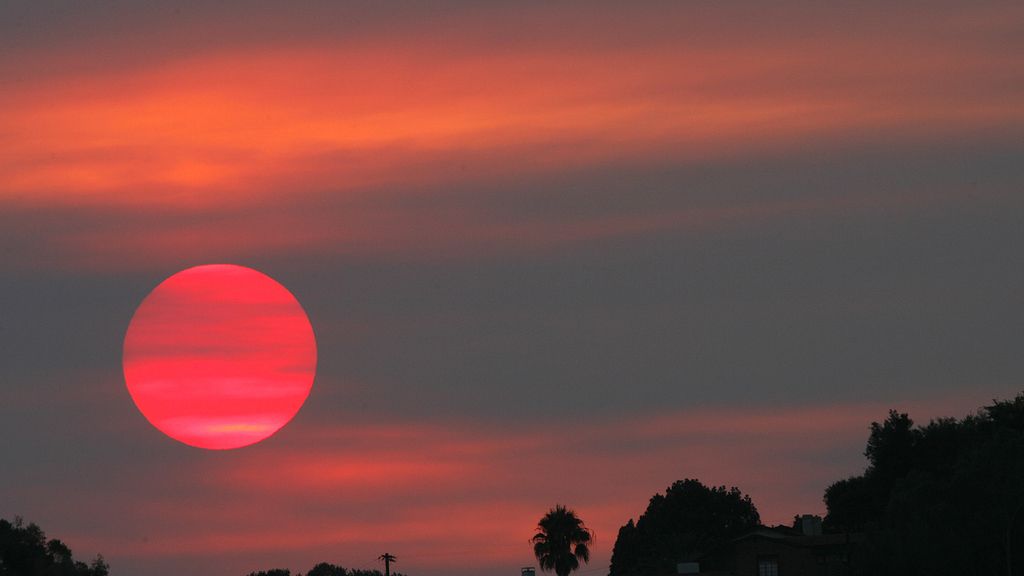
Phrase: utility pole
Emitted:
{"points": [[388, 559]]}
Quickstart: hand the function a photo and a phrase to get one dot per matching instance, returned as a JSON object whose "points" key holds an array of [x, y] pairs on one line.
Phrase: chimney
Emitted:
{"points": [[810, 525]]}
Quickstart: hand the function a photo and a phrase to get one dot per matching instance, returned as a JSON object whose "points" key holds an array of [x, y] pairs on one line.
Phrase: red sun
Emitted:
{"points": [[219, 356]]}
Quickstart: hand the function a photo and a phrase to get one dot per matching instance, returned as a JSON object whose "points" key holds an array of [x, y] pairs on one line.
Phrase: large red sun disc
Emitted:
{"points": [[219, 356]]}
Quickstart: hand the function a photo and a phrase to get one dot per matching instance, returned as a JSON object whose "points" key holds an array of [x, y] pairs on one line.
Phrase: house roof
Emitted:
{"points": [[795, 538]]}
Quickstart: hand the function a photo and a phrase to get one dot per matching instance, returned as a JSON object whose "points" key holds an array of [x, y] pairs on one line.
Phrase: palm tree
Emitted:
{"points": [[561, 541]]}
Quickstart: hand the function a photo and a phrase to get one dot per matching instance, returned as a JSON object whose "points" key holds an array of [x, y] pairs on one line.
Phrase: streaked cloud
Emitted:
{"points": [[237, 123]]}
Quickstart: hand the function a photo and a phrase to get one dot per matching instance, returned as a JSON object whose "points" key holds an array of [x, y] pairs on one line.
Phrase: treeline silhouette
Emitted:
{"points": [[944, 498], [322, 569], [25, 551]]}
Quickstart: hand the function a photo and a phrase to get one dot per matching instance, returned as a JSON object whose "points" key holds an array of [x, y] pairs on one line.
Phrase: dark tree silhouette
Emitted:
{"points": [[688, 518], [25, 551], [357, 572], [321, 569], [891, 444], [561, 541], [955, 486], [327, 569], [626, 553]]}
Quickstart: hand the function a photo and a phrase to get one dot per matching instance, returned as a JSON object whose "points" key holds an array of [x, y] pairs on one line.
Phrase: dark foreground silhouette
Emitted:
{"points": [[944, 498], [322, 569], [562, 541], [690, 517], [25, 551]]}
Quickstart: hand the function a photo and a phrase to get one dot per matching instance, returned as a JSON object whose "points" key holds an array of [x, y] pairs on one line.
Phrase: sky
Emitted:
{"points": [[562, 252]]}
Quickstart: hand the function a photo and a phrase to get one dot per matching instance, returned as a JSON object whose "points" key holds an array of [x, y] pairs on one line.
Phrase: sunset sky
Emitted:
{"points": [[559, 252]]}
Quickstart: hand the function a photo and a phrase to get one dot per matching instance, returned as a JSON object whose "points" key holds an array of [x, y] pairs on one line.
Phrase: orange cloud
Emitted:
{"points": [[242, 123], [332, 133]]}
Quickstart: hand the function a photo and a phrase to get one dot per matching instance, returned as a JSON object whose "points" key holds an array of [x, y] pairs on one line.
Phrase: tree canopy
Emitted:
{"points": [[690, 517], [25, 551], [955, 486], [327, 569]]}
